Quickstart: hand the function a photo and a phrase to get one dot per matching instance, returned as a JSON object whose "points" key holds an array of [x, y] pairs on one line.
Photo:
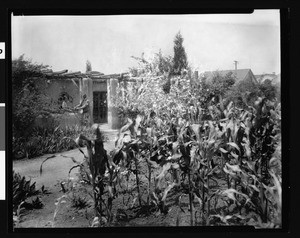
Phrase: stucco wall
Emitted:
{"points": [[99, 86], [114, 121], [63, 120], [54, 87]]}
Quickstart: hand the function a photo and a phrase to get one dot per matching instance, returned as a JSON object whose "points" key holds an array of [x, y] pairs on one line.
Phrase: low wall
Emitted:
{"points": [[62, 120]]}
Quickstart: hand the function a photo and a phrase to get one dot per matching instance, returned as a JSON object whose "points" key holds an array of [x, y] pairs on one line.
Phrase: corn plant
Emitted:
{"points": [[95, 166], [17, 215], [255, 147], [22, 189]]}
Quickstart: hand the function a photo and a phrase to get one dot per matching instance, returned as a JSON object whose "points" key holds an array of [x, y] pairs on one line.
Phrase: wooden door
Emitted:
{"points": [[100, 107]]}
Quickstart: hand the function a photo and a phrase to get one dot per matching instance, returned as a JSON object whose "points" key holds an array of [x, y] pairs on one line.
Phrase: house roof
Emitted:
{"points": [[261, 77], [240, 74], [273, 77], [277, 79]]}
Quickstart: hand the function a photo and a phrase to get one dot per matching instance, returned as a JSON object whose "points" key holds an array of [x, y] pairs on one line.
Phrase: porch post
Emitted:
{"points": [[112, 112], [87, 88]]}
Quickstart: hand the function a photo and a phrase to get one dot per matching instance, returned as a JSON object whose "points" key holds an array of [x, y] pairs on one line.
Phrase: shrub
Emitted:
{"points": [[22, 189], [79, 202], [47, 140], [268, 90], [25, 95]]}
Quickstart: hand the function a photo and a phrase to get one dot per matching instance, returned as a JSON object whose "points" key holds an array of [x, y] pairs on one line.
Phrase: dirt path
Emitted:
{"points": [[54, 170]]}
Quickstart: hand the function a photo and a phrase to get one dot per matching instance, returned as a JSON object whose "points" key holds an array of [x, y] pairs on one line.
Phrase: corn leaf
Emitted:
{"points": [[223, 150], [41, 167], [234, 145], [167, 190]]}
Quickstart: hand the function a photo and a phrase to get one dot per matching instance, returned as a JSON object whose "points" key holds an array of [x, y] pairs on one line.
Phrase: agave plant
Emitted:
{"points": [[22, 189]]}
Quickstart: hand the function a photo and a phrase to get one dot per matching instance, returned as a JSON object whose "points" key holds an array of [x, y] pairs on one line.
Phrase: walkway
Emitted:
{"points": [[56, 169]]}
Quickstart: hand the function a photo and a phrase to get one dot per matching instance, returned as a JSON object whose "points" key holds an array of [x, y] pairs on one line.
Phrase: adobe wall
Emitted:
{"points": [[63, 120], [99, 86], [86, 87], [54, 87], [113, 119]]}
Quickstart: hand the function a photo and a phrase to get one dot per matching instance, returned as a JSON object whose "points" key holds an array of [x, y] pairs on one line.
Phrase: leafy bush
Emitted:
{"points": [[22, 189], [26, 94], [47, 140], [27, 140], [79, 202], [34, 204], [269, 90], [244, 94], [217, 87]]}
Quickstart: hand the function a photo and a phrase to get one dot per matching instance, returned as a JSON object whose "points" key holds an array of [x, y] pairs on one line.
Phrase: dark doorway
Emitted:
{"points": [[100, 107]]}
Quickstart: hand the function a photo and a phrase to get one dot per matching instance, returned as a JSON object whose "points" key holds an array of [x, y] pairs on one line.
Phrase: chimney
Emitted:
{"points": [[235, 65]]}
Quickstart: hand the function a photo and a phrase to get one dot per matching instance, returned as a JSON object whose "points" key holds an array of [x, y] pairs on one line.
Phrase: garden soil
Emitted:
{"points": [[55, 171]]}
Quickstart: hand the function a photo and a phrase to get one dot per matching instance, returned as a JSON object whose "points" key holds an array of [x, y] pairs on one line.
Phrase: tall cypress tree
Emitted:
{"points": [[180, 58], [88, 66]]}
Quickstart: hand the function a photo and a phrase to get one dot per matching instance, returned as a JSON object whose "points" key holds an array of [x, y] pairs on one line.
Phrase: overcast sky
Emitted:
{"points": [[108, 42]]}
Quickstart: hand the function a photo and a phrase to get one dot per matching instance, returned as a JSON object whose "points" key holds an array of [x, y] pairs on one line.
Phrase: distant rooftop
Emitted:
{"points": [[239, 74], [273, 77], [277, 79]]}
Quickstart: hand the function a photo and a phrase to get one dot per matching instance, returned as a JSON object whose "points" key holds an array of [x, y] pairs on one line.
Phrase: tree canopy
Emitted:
{"points": [[180, 59], [88, 66]]}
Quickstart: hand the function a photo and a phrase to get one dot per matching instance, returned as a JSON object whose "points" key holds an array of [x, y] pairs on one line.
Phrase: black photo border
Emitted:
{"points": [[159, 7]]}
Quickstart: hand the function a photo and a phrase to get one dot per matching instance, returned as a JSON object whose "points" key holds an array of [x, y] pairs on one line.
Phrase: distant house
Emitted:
{"points": [[263, 77], [277, 80], [99, 89], [240, 75]]}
